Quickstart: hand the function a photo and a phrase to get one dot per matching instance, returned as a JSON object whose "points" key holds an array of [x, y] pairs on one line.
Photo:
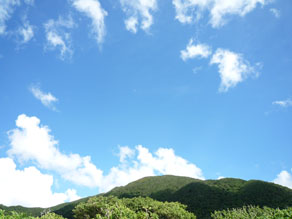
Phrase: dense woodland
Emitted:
{"points": [[173, 197]]}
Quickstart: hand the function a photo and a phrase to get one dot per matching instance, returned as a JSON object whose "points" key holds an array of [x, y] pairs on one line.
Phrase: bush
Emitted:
{"points": [[132, 208], [16, 215], [252, 212]]}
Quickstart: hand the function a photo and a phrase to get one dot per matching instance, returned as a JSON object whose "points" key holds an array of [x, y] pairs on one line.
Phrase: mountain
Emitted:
{"points": [[201, 196], [204, 197]]}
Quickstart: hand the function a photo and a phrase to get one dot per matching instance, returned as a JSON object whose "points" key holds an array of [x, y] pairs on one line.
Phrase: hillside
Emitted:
{"points": [[201, 197], [204, 197]]}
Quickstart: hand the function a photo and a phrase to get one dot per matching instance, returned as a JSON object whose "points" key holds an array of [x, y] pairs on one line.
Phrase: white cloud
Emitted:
{"points": [[233, 69], [283, 103], [125, 152], [275, 12], [6, 10], [188, 11], [47, 99], [57, 37], [26, 32], [131, 24], [93, 10], [193, 51], [221, 8], [163, 161], [138, 11], [284, 178], [29, 187], [32, 142]]}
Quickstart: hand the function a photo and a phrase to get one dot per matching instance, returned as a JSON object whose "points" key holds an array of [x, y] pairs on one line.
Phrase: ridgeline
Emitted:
{"points": [[202, 197]]}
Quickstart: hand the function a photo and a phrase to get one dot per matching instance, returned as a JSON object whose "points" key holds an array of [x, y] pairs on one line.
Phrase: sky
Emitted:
{"points": [[95, 94]]}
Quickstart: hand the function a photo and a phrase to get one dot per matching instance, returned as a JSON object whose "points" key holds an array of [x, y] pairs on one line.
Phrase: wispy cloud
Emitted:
{"points": [[188, 11], [233, 68], [283, 103], [58, 36], [138, 12], [275, 12], [6, 10], [284, 178], [31, 141], [93, 10], [26, 32], [47, 99], [193, 51]]}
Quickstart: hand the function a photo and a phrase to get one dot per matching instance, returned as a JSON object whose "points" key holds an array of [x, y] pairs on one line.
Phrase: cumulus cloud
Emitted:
{"points": [[138, 12], [58, 38], [93, 10], [144, 163], [284, 178], [47, 99], [233, 68], [283, 103], [275, 12], [29, 187], [193, 51], [32, 142], [188, 11]]}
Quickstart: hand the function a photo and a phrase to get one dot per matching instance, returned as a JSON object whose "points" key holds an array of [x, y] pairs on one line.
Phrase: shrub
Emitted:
{"points": [[130, 208], [252, 212]]}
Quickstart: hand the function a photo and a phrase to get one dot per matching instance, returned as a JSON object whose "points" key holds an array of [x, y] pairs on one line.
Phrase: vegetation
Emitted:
{"points": [[204, 197], [253, 213], [201, 197], [133, 208], [16, 215]]}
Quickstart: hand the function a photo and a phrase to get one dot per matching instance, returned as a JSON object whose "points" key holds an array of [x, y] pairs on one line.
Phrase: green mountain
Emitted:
{"points": [[201, 196], [204, 197]]}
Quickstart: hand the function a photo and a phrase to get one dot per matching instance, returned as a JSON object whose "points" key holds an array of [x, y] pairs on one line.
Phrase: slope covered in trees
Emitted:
{"points": [[204, 197], [201, 197]]}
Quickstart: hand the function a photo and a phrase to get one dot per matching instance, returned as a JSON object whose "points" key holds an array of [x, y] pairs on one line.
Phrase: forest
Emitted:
{"points": [[170, 197]]}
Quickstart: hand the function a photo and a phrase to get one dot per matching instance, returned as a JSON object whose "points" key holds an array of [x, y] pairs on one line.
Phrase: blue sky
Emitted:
{"points": [[95, 94]]}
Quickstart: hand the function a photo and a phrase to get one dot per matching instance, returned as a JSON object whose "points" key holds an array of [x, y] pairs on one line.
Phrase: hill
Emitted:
{"points": [[201, 196], [204, 197]]}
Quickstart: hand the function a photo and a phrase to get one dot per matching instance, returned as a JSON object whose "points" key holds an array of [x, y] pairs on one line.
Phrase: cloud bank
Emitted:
{"points": [[32, 142], [35, 189]]}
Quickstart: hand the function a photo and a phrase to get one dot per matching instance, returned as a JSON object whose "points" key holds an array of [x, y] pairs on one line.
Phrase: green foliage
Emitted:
{"points": [[15, 215], [51, 215], [204, 197], [132, 208], [251, 212], [29, 211]]}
